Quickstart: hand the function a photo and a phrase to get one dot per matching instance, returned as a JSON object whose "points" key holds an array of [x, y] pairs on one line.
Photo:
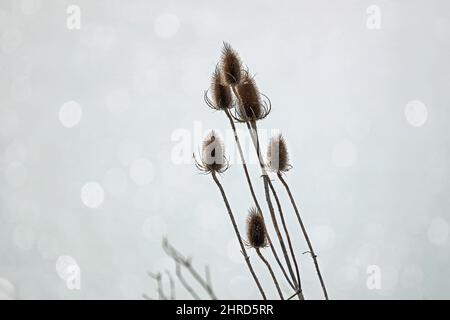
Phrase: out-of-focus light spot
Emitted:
{"points": [[92, 195], [166, 25], [70, 114], [416, 113], [65, 267]]}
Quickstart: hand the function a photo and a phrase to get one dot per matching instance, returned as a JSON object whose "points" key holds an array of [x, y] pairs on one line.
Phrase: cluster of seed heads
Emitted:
{"points": [[232, 87], [233, 90]]}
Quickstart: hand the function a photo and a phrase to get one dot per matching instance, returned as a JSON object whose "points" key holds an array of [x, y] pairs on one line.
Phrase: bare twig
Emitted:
{"points": [[172, 285], [186, 262], [184, 282], [160, 289]]}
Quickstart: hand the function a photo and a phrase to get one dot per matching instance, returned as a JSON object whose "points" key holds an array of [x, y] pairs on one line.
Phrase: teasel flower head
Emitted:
{"points": [[278, 155], [230, 65], [220, 93], [212, 155], [252, 105], [256, 229]]}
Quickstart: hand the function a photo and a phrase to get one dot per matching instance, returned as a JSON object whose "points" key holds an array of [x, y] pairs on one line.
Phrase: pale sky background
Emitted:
{"points": [[89, 117]]}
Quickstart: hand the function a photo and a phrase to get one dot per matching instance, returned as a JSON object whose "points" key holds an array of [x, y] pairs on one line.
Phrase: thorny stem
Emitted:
{"points": [[184, 282], [238, 235], [252, 191], [254, 133], [308, 241], [258, 251], [186, 262]]}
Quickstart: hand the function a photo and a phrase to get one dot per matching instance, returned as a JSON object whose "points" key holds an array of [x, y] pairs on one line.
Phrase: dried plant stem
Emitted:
{"points": [[308, 241], [288, 237], [172, 285], [258, 251], [254, 134], [184, 282], [186, 262], [238, 235], [160, 290], [252, 191]]}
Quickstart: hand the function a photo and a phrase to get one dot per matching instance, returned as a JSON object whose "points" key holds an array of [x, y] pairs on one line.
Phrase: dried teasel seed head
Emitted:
{"points": [[212, 157], [250, 105], [256, 229], [221, 93], [278, 155], [231, 65]]}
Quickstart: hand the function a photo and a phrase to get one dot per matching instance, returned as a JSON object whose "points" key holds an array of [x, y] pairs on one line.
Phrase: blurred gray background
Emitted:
{"points": [[90, 118]]}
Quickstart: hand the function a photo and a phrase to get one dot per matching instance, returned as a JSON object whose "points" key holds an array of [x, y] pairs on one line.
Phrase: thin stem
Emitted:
{"points": [[186, 262], [308, 241], [184, 282], [252, 191], [238, 235], [172, 285], [254, 133], [258, 251], [160, 290], [288, 237]]}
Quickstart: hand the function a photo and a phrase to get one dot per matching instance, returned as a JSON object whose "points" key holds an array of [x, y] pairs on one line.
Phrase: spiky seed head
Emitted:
{"points": [[278, 155], [250, 105], [256, 229], [230, 65], [221, 93], [213, 157]]}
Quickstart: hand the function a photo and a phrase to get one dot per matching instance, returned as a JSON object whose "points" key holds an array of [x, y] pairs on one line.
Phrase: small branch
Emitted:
{"points": [[172, 285], [186, 262], [184, 282], [160, 289], [146, 297]]}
